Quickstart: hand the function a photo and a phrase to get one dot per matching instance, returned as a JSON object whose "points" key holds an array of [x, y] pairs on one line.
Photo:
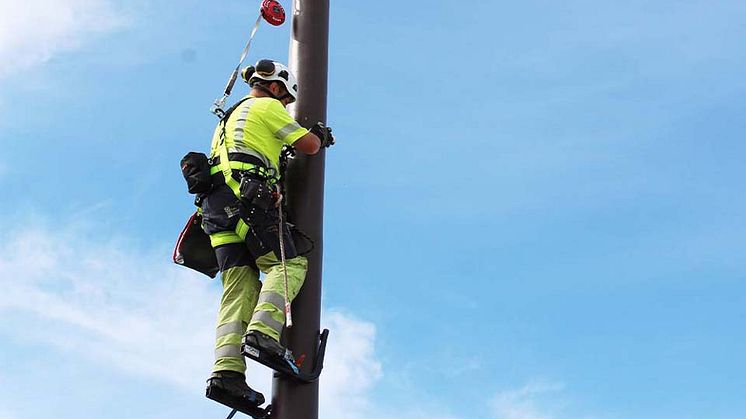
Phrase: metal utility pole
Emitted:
{"points": [[292, 399]]}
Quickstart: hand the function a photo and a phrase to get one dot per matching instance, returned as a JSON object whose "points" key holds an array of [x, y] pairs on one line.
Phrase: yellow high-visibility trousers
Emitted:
{"points": [[248, 302]]}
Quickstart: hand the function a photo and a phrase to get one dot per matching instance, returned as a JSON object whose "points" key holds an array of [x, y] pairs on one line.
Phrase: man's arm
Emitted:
{"points": [[287, 129], [308, 144], [319, 136]]}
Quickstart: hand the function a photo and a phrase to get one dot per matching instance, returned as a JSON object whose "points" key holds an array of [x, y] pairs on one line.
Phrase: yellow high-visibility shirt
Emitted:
{"points": [[258, 125]]}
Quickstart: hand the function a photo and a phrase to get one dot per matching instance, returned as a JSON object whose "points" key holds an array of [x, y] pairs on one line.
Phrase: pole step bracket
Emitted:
{"points": [[286, 366], [256, 412]]}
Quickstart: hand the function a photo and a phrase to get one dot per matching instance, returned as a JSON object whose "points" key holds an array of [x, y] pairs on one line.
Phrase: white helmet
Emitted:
{"points": [[269, 70]]}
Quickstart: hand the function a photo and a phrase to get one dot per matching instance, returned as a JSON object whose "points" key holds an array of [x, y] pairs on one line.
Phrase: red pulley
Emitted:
{"points": [[273, 12]]}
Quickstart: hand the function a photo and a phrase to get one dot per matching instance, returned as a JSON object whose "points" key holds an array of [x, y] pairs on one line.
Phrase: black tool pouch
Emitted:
{"points": [[196, 170], [255, 192], [193, 248]]}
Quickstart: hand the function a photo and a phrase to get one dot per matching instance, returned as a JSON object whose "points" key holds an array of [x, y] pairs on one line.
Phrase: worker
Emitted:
{"points": [[240, 214]]}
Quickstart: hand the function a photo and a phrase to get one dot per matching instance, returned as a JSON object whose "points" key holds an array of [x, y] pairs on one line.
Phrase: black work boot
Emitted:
{"points": [[230, 389], [265, 350], [266, 344]]}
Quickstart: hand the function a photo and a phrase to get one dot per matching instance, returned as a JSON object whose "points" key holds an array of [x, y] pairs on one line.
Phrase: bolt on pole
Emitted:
{"points": [[308, 59]]}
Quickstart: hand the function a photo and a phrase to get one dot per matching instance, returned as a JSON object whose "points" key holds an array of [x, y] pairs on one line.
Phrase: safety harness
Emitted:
{"points": [[226, 166]]}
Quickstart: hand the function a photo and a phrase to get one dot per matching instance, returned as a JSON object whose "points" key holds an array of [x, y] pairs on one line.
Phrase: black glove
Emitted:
{"points": [[324, 133]]}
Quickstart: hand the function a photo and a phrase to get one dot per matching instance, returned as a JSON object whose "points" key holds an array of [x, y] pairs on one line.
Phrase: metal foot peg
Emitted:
{"points": [[237, 404], [285, 363]]}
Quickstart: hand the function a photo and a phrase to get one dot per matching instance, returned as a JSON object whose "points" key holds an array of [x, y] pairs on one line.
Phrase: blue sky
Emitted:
{"points": [[534, 210]]}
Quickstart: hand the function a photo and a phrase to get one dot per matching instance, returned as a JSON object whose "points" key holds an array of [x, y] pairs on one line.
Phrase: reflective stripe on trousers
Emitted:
{"points": [[241, 288], [269, 315], [241, 304]]}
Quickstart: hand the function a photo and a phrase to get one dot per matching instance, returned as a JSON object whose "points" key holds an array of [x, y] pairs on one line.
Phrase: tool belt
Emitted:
{"points": [[241, 163], [201, 173], [256, 182]]}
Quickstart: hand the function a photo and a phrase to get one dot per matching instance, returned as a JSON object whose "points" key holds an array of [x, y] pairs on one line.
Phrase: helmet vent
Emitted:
{"points": [[283, 74]]}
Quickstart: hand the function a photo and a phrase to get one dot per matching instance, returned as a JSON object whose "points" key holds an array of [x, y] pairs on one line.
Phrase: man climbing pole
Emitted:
{"points": [[242, 215]]}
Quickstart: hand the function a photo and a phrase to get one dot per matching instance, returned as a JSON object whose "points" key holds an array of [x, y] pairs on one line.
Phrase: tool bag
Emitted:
{"points": [[195, 167], [193, 249]]}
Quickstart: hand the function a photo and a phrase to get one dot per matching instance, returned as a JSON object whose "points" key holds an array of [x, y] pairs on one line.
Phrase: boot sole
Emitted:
{"points": [[221, 396]]}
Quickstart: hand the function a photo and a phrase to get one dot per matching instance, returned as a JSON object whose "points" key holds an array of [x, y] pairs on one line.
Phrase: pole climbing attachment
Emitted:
{"points": [[285, 362], [217, 106], [274, 14]]}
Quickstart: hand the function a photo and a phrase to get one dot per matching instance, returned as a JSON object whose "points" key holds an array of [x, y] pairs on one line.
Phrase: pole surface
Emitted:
{"points": [[305, 198]]}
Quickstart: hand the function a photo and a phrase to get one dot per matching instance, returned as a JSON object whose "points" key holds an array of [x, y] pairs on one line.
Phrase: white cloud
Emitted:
{"points": [[352, 368], [33, 31], [126, 309], [135, 312], [525, 402]]}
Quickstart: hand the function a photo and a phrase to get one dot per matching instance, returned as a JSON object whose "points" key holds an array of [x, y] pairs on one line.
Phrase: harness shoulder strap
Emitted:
{"points": [[225, 165]]}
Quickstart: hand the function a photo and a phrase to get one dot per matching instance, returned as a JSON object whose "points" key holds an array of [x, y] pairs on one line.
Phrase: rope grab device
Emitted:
{"points": [[274, 14]]}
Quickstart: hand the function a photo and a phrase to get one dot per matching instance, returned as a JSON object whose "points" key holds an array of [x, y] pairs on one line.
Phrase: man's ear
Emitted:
{"points": [[275, 87]]}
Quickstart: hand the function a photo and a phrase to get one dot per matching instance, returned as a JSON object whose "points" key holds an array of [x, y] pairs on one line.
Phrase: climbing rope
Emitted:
{"points": [[217, 106], [281, 234], [274, 14]]}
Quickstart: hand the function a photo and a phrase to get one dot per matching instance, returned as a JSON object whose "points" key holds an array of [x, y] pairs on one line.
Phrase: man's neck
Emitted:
{"points": [[258, 93]]}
